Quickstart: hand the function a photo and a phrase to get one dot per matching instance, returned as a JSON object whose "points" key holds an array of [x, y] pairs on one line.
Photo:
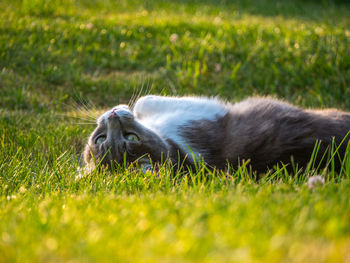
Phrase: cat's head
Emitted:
{"points": [[120, 137]]}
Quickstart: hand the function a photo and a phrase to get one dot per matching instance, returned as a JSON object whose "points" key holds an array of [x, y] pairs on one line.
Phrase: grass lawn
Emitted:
{"points": [[64, 62]]}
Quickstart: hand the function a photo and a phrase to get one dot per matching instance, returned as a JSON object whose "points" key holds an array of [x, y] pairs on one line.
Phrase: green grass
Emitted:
{"points": [[58, 57]]}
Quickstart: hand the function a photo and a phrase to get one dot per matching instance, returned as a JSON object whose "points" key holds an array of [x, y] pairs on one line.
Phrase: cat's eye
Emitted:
{"points": [[132, 137], [100, 139]]}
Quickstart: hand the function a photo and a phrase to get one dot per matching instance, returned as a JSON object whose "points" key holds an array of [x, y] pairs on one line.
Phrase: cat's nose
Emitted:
{"points": [[120, 112], [113, 114], [121, 107]]}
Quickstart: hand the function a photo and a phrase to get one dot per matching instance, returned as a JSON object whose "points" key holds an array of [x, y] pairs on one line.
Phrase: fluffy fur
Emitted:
{"points": [[264, 130]]}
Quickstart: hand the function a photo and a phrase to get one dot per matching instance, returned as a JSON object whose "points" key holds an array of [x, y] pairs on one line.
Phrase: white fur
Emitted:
{"points": [[166, 115]]}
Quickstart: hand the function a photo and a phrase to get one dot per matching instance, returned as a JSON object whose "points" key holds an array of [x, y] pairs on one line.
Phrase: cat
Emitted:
{"points": [[263, 130]]}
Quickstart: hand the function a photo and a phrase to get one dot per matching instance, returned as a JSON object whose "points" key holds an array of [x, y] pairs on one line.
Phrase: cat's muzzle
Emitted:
{"points": [[113, 115]]}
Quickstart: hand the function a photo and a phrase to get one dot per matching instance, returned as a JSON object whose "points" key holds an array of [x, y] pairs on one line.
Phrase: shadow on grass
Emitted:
{"points": [[311, 10], [303, 10]]}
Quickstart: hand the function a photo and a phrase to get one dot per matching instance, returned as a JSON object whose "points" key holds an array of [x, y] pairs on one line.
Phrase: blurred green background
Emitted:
{"points": [[56, 52]]}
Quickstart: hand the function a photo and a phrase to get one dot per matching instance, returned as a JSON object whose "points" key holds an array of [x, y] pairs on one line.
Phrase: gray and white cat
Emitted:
{"points": [[264, 130]]}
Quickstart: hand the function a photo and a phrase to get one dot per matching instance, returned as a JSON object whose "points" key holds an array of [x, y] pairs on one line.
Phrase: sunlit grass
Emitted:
{"points": [[62, 63]]}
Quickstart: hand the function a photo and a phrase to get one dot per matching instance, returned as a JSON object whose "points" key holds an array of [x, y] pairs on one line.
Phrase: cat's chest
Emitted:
{"points": [[170, 116], [172, 125]]}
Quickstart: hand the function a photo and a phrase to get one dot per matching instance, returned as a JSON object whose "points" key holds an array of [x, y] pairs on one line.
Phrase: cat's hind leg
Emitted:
{"points": [[150, 105]]}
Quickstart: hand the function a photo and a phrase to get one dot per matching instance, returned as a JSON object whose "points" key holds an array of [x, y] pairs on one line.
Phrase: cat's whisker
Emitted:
{"points": [[84, 123], [132, 100], [84, 110], [142, 90], [88, 116], [148, 88], [81, 119], [80, 101], [79, 109], [135, 96], [70, 115]]}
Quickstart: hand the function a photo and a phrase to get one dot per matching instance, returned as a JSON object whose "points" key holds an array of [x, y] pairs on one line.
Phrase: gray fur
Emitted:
{"points": [[264, 130]]}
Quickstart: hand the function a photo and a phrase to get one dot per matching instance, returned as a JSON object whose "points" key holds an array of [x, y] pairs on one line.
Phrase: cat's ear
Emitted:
{"points": [[89, 163], [88, 158]]}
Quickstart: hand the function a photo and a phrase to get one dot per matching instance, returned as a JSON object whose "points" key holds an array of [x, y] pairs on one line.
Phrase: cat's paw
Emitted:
{"points": [[146, 106], [146, 168]]}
